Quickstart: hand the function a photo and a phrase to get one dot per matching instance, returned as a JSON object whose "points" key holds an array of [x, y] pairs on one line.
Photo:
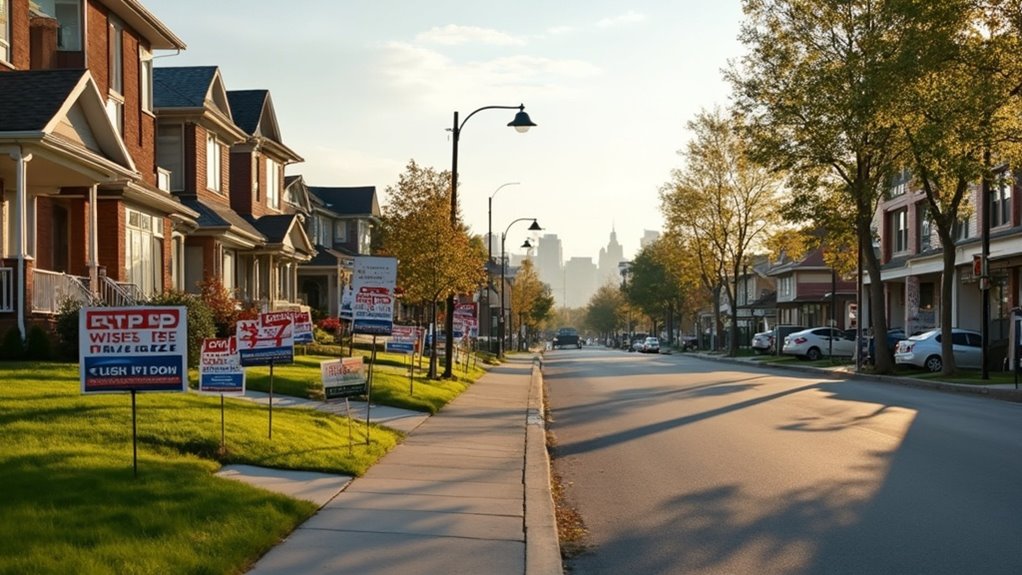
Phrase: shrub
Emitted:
{"points": [[12, 347], [200, 320], [67, 329], [37, 345], [221, 304], [329, 324]]}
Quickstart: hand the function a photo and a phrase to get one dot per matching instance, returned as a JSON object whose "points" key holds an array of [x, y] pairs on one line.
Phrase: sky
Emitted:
{"points": [[360, 88]]}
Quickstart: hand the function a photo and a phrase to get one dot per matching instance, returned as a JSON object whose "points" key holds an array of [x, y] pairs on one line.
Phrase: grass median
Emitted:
{"points": [[71, 503]]}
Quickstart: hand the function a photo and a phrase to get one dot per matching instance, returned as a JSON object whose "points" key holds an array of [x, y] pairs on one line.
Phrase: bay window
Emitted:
{"points": [[68, 14], [273, 184]]}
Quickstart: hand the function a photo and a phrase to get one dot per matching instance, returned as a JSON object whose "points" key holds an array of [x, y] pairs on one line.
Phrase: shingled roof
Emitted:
{"points": [[247, 108], [30, 99], [273, 227], [182, 87], [354, 201], [214, 216]]}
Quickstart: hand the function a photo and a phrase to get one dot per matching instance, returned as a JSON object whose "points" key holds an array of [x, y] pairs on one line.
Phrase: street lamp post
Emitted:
{"points": [[503, 271], [489, 258], [521, 123]]}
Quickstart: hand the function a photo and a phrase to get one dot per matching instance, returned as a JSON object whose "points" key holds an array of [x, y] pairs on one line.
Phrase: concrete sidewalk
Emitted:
{"points": [[468, 491]]}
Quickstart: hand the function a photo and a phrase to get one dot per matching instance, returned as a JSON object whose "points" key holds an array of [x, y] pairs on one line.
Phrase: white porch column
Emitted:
{"points": [[273, 275], [93, 239], [20, 223]]}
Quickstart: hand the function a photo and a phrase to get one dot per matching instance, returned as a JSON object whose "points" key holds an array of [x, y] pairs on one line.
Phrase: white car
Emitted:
{"points": [[923, 350], [817, 342]]}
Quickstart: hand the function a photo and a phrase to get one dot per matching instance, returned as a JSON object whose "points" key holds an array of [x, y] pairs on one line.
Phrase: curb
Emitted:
{"points": [[1013, 395], [542, 547]]}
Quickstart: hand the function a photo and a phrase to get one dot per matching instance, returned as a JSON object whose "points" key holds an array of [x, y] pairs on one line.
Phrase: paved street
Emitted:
{"points": [[684, 465]]}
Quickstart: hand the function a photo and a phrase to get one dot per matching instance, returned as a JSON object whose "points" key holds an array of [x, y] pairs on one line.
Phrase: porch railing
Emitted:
{"points": [[50, 289], [117, 294], [6, 290]]}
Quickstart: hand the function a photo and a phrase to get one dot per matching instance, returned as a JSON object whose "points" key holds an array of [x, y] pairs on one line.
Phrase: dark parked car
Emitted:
{"points": [[894, 335]]}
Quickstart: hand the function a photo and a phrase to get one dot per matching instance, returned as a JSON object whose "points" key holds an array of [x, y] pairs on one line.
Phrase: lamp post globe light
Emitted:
{"points": [[489, 258], [503, 271], [521, 123]]}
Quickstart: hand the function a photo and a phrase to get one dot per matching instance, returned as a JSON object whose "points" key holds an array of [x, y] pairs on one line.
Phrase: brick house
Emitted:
{"points": [[232, 176], [77, 147], [912, 266], [808, 293]]}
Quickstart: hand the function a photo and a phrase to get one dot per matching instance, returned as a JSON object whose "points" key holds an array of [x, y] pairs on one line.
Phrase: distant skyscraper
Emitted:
{"points": [[549, 255], [580, 283], [610, 256], [648, 237]]}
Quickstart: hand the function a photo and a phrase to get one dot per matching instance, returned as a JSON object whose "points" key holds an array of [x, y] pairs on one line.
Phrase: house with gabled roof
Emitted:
{"points": [[76, 149], [811, 294], [232, 175], [340, 225]]}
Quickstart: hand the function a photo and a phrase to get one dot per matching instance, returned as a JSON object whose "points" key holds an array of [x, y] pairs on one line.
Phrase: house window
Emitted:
{"points": [[68, 14], [340, 232], [115, 110], [145, 58], [273, 184], [143, 251], [923, 228], [170, 153], [213, 166], [786, 287], [364, 236], [961, 229], [1000, 204], [899, 230], [227, 275], [900, 182], [115, 51], [5, 30]]}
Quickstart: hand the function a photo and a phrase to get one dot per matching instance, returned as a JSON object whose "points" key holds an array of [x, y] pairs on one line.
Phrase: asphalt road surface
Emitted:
{"points": [[685, 465]]}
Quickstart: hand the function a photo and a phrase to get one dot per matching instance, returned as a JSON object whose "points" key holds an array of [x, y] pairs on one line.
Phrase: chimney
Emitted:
{"points": [[43, 42]]}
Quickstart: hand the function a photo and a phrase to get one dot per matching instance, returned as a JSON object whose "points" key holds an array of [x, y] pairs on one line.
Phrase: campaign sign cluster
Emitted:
{"points": [[133, 349], [220, 368]]}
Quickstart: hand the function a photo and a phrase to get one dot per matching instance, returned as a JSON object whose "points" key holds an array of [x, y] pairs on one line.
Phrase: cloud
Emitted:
{"points": [[630, 17], [560, 30], [454, 35], [427, 75]]}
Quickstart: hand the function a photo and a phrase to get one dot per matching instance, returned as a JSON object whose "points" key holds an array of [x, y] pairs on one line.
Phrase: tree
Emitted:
{"points": [[605, 311], [817, 86], [434, 259], [960, 117], [722, 201], [531, 300]]}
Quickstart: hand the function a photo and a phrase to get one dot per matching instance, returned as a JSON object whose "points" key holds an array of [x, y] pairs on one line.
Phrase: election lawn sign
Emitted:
{"points": [[266, 340], [220, 368], [141, 348], [373, 284], [343, 378]]}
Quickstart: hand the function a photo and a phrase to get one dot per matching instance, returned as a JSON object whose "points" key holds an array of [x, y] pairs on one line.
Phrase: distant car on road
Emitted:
{"points": [[567, 337], [812, 344], [923, 350], [650, 345]]}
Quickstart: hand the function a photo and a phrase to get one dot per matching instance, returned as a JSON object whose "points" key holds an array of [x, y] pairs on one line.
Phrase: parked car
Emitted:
{"points": [[763, 341], [817, 342], [923, 350], [765, 344], [650, 345], [894, 335], [688, 342], [637, 344]]}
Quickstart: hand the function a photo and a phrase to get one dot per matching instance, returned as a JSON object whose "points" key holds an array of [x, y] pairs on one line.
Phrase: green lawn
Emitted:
{"points": [[70, 502], [391, 385]]}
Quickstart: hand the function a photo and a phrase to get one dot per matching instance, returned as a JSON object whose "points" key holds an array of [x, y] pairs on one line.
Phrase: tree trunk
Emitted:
{"points": [[883, 359]]}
